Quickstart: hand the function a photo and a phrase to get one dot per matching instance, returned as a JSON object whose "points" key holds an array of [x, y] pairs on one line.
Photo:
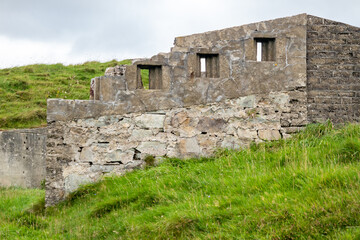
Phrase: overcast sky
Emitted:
{"points": [[75, 31]]}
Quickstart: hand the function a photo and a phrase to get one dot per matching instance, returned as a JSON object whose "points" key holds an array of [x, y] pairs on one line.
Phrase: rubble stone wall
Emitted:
{"points": [[333, 71], [22, 157], [83, 150]]}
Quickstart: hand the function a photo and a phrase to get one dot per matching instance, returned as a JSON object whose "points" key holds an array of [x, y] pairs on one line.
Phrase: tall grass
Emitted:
{"points": [[307, 187], [24, 90]]}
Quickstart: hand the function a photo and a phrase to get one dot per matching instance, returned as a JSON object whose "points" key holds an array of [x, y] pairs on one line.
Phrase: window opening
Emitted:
{"points": [[265, 49], [208, 65], [149, 77]]}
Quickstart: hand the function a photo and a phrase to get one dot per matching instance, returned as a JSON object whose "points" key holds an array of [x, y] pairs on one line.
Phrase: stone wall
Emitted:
{"points": [[22, 157], [307, 71], [239, 73], [333, 70], [84, 150], [187, 112]]}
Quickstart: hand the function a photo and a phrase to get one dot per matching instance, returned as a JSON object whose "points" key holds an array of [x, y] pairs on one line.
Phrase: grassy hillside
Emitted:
{"points": [[307, 187], [24, 90]]}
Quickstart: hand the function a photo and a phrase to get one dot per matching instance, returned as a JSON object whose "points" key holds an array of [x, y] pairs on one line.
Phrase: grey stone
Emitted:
{"points": [[269, 134], [148, 121], [207, 124], [247, 133], [140, 134], [120, 157], [86, 155], [231, 142], [246, 102], [189, 146], [152, 148], [73, 181], [101, 168]]}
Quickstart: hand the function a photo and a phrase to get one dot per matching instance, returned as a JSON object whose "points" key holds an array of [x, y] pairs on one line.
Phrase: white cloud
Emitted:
{"points": [[15, 52], [18, 52], [70, 31]]}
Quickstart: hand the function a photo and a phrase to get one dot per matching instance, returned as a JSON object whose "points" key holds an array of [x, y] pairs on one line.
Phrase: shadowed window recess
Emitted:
{"points": [[208, 65], [149, 77], [265, 49]]}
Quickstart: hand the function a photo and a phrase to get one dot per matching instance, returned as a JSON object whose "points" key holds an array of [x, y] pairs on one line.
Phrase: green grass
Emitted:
{"points": [[24, 90], [307, 187], [145, 78]]}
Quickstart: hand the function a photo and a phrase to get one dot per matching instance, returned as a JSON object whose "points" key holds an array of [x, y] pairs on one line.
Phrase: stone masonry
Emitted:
{"points": [[219, 89], [333, 70]]}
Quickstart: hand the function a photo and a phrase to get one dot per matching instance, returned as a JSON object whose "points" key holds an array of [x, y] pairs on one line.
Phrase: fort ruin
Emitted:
{"points": [[219, 89]]}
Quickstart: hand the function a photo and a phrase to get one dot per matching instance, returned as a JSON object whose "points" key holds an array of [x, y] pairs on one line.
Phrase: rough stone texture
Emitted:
{"points": [[309, 72], [22, 157], [84, 150], [333, 69]]}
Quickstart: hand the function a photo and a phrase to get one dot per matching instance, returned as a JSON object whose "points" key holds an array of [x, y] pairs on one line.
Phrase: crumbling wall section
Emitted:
{"points": [[333, 70], [84, 150], [22, 157]]}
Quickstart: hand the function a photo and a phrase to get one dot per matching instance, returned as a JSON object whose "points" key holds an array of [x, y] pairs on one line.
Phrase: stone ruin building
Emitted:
{"points": [[218, 89]]}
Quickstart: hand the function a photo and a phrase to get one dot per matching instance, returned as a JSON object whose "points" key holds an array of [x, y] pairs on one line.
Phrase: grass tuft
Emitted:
{"points": [[82, 192], [149, 161], [30, 221], [350, 150]]}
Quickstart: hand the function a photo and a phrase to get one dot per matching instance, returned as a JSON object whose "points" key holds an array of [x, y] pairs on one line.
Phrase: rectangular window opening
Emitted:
{"points": [[265, 49], [208, 65], [149, 77]]}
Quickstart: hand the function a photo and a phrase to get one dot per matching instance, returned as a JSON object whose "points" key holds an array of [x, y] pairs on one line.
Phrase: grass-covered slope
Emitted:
{"points": [[307, 187], [24, 90]]}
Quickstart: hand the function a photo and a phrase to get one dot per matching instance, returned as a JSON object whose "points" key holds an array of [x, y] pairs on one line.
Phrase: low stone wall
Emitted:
{"points": [[22, 157], [84, 150]]}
